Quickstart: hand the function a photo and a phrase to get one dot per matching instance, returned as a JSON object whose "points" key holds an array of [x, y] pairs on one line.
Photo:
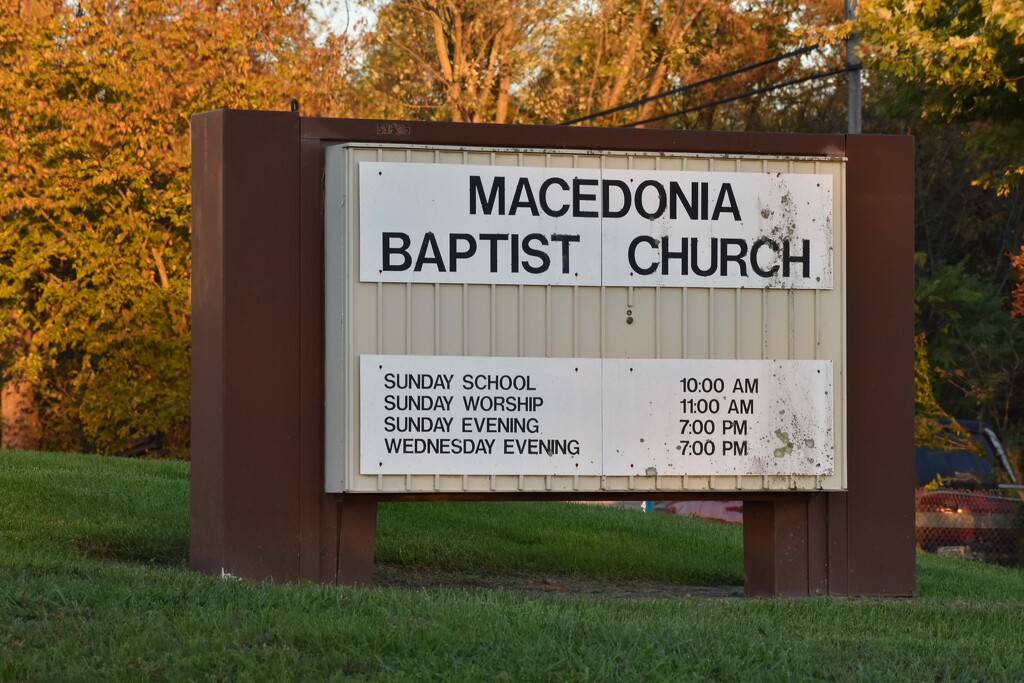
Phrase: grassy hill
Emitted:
{"points": [[94, 585]]}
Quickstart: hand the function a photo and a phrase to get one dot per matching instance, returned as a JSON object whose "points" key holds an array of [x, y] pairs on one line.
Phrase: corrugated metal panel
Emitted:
{"points": [[566, 321]]}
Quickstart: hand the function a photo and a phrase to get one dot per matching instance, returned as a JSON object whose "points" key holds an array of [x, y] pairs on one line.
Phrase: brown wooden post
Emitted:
{"points": [[206, 532], [879, 504], [860, 542], [245, 411], [357, 540], [785, 546], [258, 508], [775, 548]]}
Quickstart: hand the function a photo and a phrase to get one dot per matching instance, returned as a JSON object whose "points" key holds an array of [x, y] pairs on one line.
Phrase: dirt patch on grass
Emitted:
{"points": [[395, 576], [136, 549]]}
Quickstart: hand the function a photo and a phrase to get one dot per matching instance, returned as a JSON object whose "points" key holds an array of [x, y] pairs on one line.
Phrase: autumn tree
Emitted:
{"points": [[959, 61], [95, 100], [950, 73], [616, 51], [457, 60], [95, 103], [511, 61]]}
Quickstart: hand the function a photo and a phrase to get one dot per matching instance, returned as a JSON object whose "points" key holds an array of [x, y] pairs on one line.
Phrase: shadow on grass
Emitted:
{"points": [[170, 551]]}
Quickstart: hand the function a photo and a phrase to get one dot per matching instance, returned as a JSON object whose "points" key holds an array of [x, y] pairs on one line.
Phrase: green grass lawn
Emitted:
{"points": [[94, 586]]}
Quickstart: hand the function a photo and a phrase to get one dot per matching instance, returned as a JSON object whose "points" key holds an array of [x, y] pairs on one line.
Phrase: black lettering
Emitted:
{"points": [[606, 201], [641, 209], [545, 260], [646, 239], [476, 189], [676, 197], [745, 386], [735, 258], [565, 240], [756, 264], [510, 404], [523, 189], [804, 259], [667, 255], [741, 407], [429, 242], [578, 197], [712, 267], [721, 207], [454, 253], [493, 239], [544, 187], [390, 250]]}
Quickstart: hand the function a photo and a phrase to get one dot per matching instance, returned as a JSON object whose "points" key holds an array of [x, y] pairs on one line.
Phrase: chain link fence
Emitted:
{"points": [[985, 525]]}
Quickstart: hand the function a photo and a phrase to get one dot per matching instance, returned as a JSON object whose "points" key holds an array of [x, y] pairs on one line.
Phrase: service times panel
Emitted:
{"points": [[725, 417], [604, 417], [479, 415]]}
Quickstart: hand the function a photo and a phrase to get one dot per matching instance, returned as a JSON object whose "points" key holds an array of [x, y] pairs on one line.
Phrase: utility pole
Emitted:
{"points": [[853, 74]]}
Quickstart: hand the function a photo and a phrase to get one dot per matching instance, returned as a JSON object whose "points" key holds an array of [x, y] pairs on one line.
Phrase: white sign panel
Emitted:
{"points": [[718, 417], [476, 415], [611, 417], [478, 224], [553, 226], [700, 229]]}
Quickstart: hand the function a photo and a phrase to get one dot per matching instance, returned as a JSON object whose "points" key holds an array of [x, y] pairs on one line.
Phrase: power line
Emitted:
{"points": [[690, 86], [750, 93]]}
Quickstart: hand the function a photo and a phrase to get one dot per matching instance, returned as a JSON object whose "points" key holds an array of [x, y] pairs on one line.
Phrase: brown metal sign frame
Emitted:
{"points": [[258, 507]]}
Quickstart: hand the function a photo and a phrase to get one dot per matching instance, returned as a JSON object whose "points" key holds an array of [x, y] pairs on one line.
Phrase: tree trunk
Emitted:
{"points": [[20, 427]]}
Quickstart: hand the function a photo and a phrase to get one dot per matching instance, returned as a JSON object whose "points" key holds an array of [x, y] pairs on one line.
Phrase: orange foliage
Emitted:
{"points": [[1018, 290], [96, 99]]}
